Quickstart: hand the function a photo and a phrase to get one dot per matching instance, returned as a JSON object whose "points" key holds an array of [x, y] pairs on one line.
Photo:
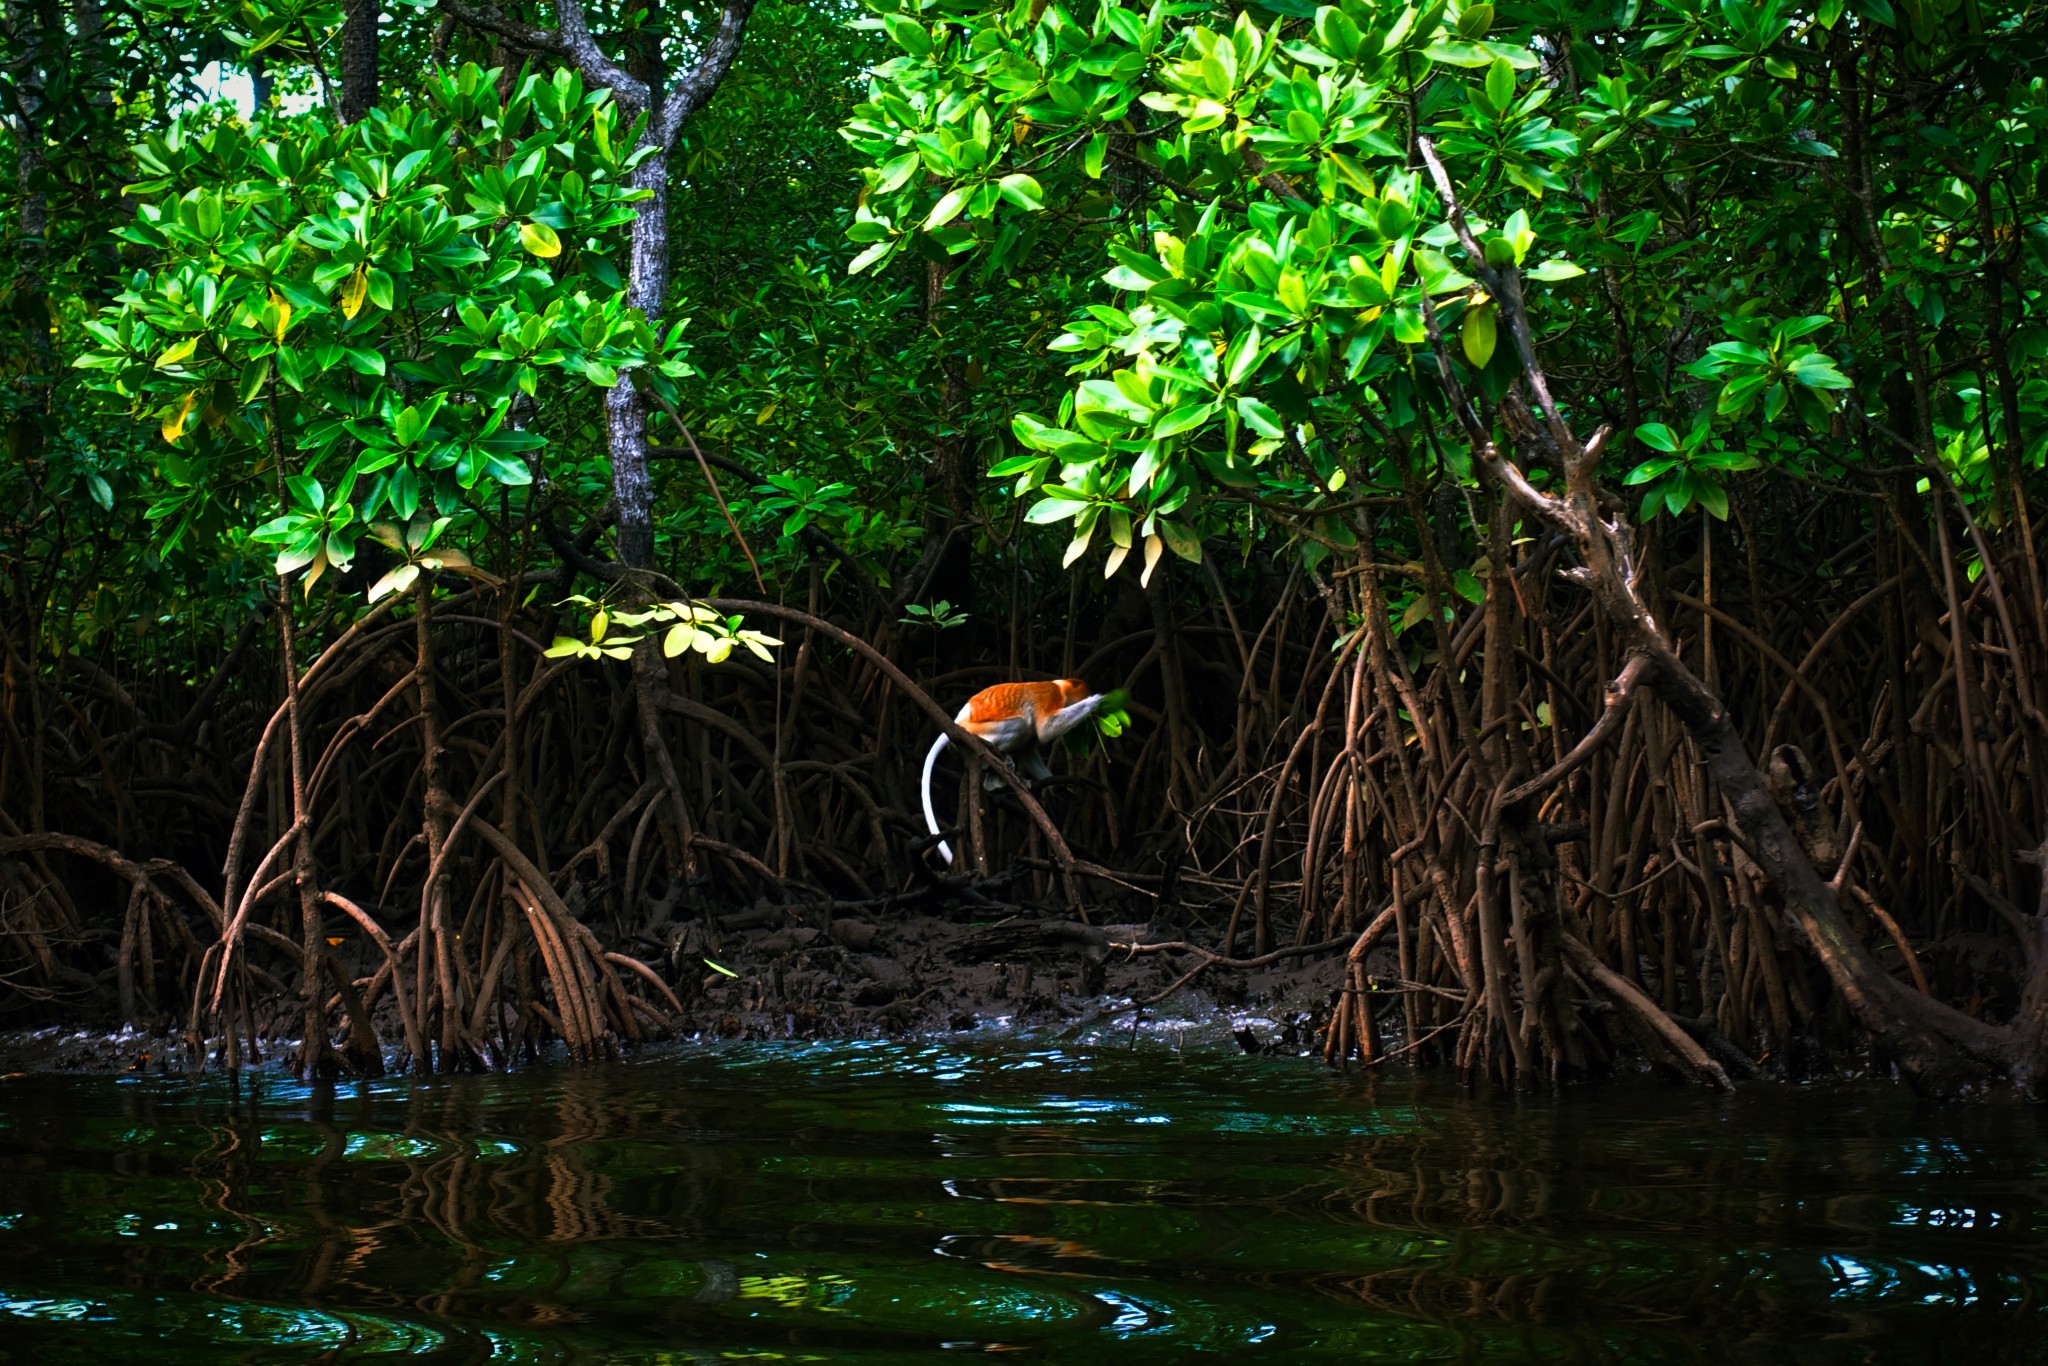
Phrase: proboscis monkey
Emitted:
{"points": [[1014, 717]]}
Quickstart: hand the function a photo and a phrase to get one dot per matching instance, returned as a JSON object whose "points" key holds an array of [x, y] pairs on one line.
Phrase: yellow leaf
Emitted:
{"points": [[458, 562], [352, 293], [174, 423], [599, 624], [1153, 547], [284, 313], [764, 415], [540, 239], [178, 351], [1116, 560], [315, 570], [397, 581]]}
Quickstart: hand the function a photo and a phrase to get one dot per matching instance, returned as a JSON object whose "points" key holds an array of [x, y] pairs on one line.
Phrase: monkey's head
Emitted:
{"points": [[1072, 690]]}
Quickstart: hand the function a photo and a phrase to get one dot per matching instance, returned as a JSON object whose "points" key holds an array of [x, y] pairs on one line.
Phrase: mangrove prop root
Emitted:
{"points": [[1551, 821]]}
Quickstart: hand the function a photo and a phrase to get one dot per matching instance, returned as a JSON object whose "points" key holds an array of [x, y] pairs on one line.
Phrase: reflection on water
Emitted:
{"points": [[884, 1202]]}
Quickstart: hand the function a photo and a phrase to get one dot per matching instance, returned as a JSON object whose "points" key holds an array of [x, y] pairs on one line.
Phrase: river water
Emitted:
{"points": [[1117, 1202]]}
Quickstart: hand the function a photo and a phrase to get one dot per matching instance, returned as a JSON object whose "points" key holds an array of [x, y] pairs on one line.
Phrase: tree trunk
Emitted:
{"points": [[624, 409], [358, 59]]}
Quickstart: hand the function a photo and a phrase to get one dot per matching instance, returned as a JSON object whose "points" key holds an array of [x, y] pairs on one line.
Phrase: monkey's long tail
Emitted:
{"points": [[931, 818]]}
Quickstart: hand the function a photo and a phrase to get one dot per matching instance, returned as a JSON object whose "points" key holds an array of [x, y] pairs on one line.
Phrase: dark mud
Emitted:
{"points": [[769, 973]]}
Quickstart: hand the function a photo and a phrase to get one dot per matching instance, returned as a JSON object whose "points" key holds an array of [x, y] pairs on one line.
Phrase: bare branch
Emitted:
{"points": [[573, 40], [490, 21], [1274, 182], [1506, 288], [697, 85], [712, 480], [597, 68], [1618, 694], [1689, 1054]]}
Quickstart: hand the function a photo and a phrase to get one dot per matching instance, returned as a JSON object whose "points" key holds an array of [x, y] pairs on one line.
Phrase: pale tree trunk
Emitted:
{"points": [[668, 103], [625, 411]]}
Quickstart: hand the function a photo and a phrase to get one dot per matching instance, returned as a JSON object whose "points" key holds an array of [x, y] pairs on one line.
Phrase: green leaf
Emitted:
{"points": [[306, 491], [177, 352], [1242, 356], [1023, 191], [896, 173], [540, 239], [1794, 328], [1054, 507], [1500, 82], [253, 375], [1260, 417], [1016, 464], [1711, 496], [1185, 418], [1657, 436], [1040, 436], [869, 257], [1819, 372], [946, 210], [1293, 292], [1395, 218], [1775, 399], [510, 473], [1740, 353], [1454, 52], [1479, 335], [1738, 393], [909, 35]]}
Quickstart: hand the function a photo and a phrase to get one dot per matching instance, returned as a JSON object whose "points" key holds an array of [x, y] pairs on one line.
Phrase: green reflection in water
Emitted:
{"points": [[892, 1202]]}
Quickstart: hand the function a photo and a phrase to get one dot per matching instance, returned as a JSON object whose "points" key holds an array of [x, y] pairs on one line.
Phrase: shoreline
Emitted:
{"points": [[917, 975]]}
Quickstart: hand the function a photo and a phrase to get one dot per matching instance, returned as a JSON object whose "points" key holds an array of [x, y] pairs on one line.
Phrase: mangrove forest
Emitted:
{"points": [[1530, 517]]}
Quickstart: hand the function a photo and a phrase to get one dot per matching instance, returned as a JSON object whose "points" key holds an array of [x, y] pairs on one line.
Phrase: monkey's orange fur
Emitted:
{"points": [[1014, 717], [1026, 701]]}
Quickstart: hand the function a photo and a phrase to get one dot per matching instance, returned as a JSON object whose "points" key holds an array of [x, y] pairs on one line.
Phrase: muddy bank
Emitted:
{"points": [[768, 972]]}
